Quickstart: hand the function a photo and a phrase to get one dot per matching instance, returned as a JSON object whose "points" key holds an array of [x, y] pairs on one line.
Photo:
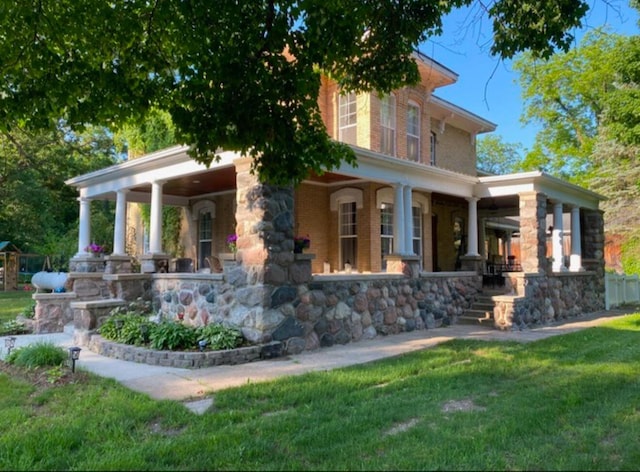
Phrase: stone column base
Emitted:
{"points": [[408, 265], [153, 263], [88, 263], [472, 263], [116, 264]]}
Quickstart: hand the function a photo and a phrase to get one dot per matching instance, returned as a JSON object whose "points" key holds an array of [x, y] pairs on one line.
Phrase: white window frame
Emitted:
{"points": [[204, 240], [433, 142], [348, 232], [388, 124], [348, 118], [386, 208], [413, 130]]}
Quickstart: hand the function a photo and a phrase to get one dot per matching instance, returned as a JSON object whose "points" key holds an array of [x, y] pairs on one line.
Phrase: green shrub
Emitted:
{"points": [[30, 311], [12, 327], [218, 336], [172, 336], [38, 355]]}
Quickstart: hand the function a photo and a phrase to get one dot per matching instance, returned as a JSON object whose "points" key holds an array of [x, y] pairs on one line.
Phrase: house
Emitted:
{"points": [[403, 241]]}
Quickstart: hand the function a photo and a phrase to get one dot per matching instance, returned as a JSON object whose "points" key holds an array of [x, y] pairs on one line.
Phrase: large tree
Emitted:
{"points": [[38, 212], [566, 96], [218, 66], [497, 156]]}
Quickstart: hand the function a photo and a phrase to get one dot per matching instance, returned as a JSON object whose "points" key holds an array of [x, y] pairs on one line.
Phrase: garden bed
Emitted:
{"points": [[185, 359]]}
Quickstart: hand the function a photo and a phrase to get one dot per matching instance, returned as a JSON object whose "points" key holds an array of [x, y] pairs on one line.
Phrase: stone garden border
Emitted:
{"points": [[185, 359]]}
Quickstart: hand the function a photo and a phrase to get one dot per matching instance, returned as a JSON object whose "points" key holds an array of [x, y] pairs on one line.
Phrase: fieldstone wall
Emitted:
{"points": [[540, 299], [52, 312]]}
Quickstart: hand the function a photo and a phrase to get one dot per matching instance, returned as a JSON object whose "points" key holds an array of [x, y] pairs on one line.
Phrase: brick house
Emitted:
{"points": [[408, 239]]}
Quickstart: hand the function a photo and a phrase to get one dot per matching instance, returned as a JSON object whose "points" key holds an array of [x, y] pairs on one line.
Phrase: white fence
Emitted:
{"points": [[621, 289]]}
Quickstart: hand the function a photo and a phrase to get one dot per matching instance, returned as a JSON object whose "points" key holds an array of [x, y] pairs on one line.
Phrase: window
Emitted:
{"points": [[432, 159], [416, 237], [347, 118], [388, 125], [386, 231], [348, 234], [204, 238], [413, 132]]}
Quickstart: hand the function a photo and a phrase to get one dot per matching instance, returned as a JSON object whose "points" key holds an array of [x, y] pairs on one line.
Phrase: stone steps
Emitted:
{"points": [[481, 311]]}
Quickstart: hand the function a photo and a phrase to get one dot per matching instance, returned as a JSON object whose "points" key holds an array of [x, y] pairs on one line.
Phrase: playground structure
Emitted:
{"points": [[17, 268]]}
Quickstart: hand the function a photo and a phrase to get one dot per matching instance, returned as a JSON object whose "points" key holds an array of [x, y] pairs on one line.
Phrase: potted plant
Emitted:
{"points": [[300, 243]]}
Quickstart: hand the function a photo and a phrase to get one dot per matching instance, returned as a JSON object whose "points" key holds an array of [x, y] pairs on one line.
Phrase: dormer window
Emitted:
{"points": [[347, 119], [413, 132], [388, 125]]}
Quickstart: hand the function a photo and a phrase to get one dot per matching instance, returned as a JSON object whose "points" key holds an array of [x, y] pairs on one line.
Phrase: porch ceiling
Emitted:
{"points": [[188, 186]]}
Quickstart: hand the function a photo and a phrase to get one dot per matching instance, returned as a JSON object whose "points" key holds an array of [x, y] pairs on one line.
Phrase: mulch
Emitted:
{"points": [[44, 377]]}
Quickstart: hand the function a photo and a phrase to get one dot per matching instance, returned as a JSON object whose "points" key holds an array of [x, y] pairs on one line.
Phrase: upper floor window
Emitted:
{"points": [[413, 132], [388, 125], [347, 119], [432, 159]]}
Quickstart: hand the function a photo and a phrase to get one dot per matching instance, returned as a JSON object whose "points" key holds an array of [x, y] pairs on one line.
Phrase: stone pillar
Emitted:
{"points": [[84, 229], [155, 230], [533, 213], [593, 239], [472, 238], [119, 227], [267, 272], [398, 221], [557, 237], [575, 260], [408, 221]]}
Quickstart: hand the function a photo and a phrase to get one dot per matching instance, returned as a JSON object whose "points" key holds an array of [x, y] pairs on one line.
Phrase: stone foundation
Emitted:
{"points": [[539, 299], [52, 312]]}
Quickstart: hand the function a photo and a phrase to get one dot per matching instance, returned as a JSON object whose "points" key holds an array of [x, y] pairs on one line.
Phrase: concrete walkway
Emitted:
{"points": [[193, 386]]}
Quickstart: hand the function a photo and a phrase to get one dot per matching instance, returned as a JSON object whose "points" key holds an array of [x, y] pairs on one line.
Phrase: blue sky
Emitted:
{"points": [[487, 86]]}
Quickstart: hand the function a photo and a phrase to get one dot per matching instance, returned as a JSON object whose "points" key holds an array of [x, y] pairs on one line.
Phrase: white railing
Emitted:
{"points": [[621, 289]]}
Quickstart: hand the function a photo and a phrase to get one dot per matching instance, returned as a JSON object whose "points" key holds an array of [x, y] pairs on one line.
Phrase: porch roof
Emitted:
{"points": [[554, 188]]}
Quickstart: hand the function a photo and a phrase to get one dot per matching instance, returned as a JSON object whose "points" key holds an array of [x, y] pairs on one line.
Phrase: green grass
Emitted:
{"points": [[569, 402], [14, 303]]}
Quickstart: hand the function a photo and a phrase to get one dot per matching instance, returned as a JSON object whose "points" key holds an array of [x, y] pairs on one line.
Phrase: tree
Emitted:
{"points": [[495, 156], [38, 211], [235, 75], [566, 95]]}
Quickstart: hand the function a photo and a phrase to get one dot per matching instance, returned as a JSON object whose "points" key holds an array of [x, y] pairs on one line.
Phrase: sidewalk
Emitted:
{"points": [[194, 384]]}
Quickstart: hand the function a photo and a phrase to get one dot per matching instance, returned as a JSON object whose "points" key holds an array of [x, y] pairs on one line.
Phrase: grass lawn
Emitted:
{"points": [[14, 303], [568, 402]]}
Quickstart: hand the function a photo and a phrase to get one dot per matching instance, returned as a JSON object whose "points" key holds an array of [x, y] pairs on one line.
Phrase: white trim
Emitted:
{"points": [[203, 206], [344, 195]]}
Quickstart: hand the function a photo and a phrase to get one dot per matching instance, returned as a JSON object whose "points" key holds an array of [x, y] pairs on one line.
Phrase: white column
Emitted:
{"points": [[155, 231], [556, 239], [84, 226], [119, 227], [482, 237], [398, 220], [472, 237], [575, 260], [408, 221]]}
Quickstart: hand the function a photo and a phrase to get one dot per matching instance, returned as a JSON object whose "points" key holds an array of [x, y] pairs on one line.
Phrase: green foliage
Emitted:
{"points": [[566, 96], [12, 327], [495, 156], [129, 324], [172, 336], [219, 70], [37, 355], [631, 252], [39, 213], [219, 336]]}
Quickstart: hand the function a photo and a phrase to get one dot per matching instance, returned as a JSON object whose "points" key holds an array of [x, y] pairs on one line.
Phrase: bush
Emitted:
{"points": [[13, 327], [218, 336], [172, 336], [129, 328], [38, 355]]}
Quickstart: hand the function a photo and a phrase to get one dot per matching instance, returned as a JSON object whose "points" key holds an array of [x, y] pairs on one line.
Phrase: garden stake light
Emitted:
{"points": [[144, 332], [74, 355], [202, 344], [9, 343]]}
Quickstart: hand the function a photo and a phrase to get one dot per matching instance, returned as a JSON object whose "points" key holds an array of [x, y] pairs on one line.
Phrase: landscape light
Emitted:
{"points": [[74, 355]]}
